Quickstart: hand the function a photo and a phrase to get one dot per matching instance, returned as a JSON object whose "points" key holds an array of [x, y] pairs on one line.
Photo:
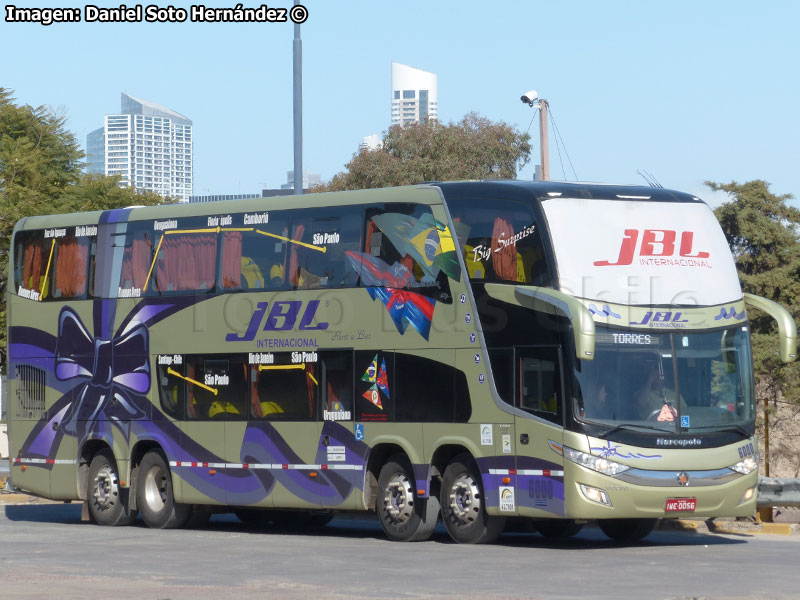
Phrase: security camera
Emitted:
{"points": [[530, 97]]}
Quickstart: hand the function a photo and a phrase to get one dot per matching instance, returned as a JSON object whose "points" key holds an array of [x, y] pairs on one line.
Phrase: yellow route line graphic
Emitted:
{"points": [[153, 264], [301, 366], [192, 381], [291, 241], [47, 270]]}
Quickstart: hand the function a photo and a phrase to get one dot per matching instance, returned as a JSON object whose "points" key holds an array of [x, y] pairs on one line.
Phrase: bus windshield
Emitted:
{"points": [[680, 382]]}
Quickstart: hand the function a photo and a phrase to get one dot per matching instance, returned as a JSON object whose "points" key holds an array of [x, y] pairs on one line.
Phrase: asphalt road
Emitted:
{"points": [[46, 552]]}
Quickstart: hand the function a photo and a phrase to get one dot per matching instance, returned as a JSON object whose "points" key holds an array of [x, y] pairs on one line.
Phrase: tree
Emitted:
{"points": [[41, 173], [473, 148], [762, 231]]}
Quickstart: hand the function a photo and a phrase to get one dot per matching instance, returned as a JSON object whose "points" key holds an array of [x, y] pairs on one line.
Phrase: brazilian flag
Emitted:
{"points": [[429, 242]]}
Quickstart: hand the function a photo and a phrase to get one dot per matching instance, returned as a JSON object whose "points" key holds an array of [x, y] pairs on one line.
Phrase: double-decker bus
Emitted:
{"points": [[546, 352]]}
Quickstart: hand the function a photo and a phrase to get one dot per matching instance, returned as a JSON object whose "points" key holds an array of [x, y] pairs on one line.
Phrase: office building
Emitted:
{"points": [[415, 97], [147, 145]]}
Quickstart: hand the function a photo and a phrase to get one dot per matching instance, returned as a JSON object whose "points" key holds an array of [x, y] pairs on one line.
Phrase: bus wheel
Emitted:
{"points": [[627, 530], [555, 529], [403, 516], [108, 501], [154, 496], [463, 509]]}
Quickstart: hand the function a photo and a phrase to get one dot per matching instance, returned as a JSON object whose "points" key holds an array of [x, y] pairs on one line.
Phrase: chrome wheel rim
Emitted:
{"points": [[465, 500], [398, 499], [105, 488], [155, 488]]}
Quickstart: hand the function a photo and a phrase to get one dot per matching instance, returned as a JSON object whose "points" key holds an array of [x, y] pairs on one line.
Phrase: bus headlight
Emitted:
{"points": [[595, 463], [747, 465]]}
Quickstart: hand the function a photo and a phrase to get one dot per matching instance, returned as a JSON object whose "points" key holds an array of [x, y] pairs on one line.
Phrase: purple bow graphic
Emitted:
{"points": [[114, 371]]}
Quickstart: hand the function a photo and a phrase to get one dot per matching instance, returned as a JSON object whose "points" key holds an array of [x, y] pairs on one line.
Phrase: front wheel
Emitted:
{"points": [[154, 496], [463, 505], [403, 516], [108, 501], [627, 530]]}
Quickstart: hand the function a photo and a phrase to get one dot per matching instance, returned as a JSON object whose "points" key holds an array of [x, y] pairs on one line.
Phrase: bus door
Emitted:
{"points": [[539, 393]]}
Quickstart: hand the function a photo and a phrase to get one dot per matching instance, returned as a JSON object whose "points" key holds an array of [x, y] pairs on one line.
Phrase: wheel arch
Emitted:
{"points": [[88, 451]]}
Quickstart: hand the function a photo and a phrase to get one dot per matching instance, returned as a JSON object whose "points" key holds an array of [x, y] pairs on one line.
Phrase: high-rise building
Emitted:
{"points": [[147, 145], [415, 97]]}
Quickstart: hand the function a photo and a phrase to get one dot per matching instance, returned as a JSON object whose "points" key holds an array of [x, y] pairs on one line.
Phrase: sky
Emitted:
{"points": [[686, 91]]}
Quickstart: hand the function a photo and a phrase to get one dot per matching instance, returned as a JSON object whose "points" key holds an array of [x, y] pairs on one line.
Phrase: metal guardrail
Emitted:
{"points": [[778, 491]]}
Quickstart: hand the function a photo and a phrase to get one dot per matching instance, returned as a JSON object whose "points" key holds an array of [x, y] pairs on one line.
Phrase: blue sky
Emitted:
{"points": [[688, 91]]}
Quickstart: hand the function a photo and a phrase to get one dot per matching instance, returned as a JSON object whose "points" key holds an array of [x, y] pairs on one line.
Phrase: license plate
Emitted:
{"points": [[681, 504]]}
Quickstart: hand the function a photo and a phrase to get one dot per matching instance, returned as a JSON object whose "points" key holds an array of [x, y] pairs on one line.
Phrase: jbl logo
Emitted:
{"points": [[654, 242]]}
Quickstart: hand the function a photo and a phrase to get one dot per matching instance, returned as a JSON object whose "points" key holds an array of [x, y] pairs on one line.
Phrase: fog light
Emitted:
{"points": [[595, 494], [748, 495]]}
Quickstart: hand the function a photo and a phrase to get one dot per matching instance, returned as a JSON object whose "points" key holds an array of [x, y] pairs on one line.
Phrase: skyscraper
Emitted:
{"points": [[415, 97], [147, 145]]}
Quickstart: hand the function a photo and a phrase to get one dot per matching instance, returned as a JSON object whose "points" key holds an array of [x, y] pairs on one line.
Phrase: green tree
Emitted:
{"points": [[41, 173], [762, 231], [473, 148]]}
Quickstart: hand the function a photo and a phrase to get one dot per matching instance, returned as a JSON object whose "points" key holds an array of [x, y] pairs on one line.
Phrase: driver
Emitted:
{"points": [[654, 398]]}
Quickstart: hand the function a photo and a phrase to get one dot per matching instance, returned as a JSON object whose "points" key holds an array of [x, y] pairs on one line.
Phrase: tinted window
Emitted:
{"points": [[171, 387], [406, 248], [375, 378], [282, 389], [217, 387], [71, 260], [426, 391], [256, 257], [539, 383], [320, 242], [501, 241], [32, 255]]}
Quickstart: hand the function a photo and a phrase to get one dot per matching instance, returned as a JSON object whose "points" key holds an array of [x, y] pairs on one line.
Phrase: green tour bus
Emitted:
{"points": [[547, 352]]}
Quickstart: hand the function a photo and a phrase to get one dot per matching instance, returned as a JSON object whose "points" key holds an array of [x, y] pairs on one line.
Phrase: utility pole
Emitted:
{"points": [[298, 109], [545, 150]]}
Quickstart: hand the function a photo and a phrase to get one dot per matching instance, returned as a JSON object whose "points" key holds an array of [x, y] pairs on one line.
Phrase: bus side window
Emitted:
{"points": [[217, 387], [32, 254], [426, 391], [336, 384], [137, 258], [539, 383], [375, 380], [171, 390], [405, 247], [284, 391], [71, 267], [321, 241], [256, 258], [186, 262]]}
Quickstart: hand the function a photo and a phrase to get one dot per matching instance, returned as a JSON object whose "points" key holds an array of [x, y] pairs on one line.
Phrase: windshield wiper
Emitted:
{"points": [[624, 425]]}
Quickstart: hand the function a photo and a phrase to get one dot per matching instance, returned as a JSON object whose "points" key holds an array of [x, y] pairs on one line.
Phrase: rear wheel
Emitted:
{"points": [[627, 530], [403, 516], [154, 496], [108, 501], [463, 507]]}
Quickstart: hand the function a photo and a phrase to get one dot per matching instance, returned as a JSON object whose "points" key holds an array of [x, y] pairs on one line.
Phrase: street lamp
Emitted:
{"points": [[532, 99]]}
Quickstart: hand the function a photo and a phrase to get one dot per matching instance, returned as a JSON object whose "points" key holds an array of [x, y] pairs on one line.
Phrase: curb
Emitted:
{"points": [[722, 526]]}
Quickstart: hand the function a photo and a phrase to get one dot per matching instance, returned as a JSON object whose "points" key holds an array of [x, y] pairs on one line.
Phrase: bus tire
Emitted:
{"points": [[463, 508], [558, 529], [154, 496], [403, 516], [107, 499], [627, 530]]}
